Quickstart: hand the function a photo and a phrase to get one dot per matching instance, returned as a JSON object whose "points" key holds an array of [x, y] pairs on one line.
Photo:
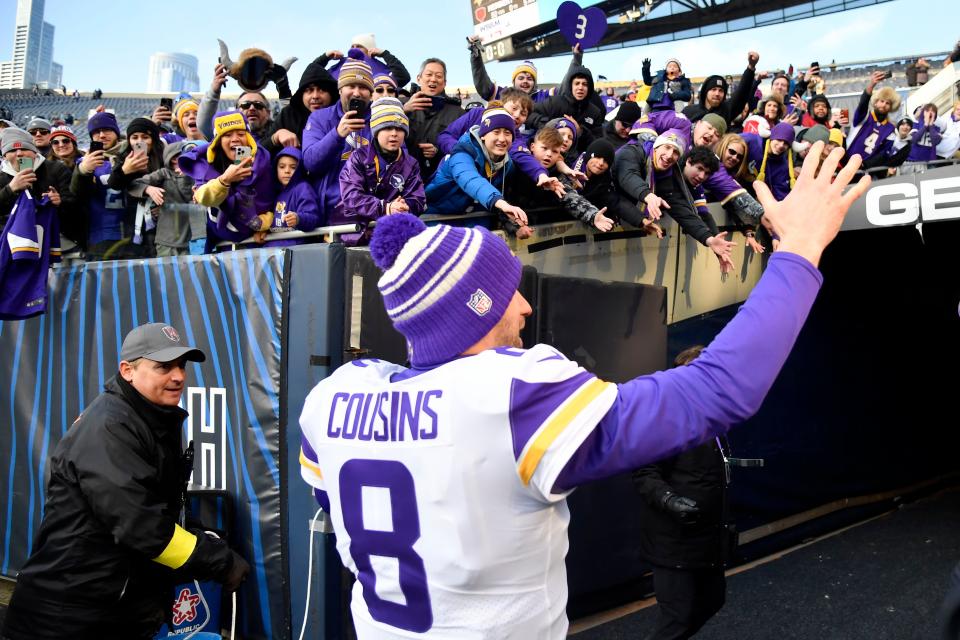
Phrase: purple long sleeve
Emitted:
{"points": [[448, 138], [322, 145], [659, 415]]}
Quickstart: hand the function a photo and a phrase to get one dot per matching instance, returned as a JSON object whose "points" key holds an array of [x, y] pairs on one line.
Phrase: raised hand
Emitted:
{"points": [[809, 218]]}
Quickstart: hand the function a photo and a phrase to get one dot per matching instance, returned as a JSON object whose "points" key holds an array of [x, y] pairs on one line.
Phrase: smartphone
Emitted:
{"points": [[96, 145], [887, 75], [24, 163], [845, 113], [437, 102], [140, 146], [167, 102], [359, 105], [242, 153]]}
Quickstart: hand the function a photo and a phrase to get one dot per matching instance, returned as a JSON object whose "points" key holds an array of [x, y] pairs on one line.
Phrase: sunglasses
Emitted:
{"points": [[390, 91], [252, 105], [39, 132], [734, 154], [57, 142]]}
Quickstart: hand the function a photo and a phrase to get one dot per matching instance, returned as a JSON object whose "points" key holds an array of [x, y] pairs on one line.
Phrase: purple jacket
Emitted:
{"points": [[297, 197], [777, 171], [325, 153], [245, 201], [368, 182], [925, 140]]}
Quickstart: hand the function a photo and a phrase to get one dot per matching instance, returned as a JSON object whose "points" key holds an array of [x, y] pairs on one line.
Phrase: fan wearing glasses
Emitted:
{"points": [[40, 130]]}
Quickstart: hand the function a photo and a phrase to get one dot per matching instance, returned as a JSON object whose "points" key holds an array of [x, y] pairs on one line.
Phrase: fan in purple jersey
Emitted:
{"points": [[871, 135]]}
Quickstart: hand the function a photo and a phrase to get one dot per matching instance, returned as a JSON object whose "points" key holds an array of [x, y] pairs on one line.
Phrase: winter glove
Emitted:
{"points": [[683, 509], [237, 574], [646, 64], [673, 86], [279, 76]]}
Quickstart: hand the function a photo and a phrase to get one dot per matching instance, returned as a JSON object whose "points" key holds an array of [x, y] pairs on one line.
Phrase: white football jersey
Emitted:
{"points": [[440, 488]]}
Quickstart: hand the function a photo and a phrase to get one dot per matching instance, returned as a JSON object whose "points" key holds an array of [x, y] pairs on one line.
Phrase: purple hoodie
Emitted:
{"points": [[297, 197], [369, 181], [255, 195]]}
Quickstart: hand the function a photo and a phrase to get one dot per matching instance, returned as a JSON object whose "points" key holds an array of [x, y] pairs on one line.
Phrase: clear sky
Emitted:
{"points": [[108, 44]]}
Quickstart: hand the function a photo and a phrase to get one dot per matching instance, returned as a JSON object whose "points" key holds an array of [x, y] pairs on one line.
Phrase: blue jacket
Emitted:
{"points": [[662, 98], [465, 177], [325, 153], [519, 150]]}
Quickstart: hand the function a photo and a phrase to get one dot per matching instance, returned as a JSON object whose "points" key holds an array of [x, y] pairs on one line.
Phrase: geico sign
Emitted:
{"points": [[907, 202]]}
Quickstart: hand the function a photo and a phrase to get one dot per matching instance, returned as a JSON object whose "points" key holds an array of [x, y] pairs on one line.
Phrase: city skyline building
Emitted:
{"points": [[32, 62]]}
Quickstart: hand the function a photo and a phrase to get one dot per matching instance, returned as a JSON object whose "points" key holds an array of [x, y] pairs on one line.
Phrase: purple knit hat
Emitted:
{"points": [[496, 117], [444, 287], [783, 131], [103, 120]]}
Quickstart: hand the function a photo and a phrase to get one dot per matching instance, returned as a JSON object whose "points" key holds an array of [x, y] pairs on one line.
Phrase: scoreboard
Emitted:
{"points": [[496, 21]]}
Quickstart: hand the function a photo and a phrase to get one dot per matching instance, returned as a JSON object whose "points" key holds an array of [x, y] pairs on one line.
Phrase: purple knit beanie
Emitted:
{"points": [[103, 120], [783, 131], [496, 117], [444, 287]]}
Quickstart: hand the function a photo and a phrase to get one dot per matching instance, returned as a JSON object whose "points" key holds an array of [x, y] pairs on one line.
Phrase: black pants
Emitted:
{"points": [[686, 599]]}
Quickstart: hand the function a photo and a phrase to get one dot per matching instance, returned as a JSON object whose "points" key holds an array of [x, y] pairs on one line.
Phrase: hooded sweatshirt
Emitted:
{"points": [[772, 169], [232, 218], [468, 176], [730, 107], [297, 197], [588, 112], [294, 116], [372, 179]]}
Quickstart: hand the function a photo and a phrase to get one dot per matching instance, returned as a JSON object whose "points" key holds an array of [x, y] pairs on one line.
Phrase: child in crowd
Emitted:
{"points": [[771, 161], [296, 206], [546, 148], [172, 195], [667, 87], [475, 173], [901, 135], [382, 178]]}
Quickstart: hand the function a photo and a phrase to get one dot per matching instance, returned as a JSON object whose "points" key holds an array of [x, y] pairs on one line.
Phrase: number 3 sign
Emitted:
{"points": [[583, 26]]}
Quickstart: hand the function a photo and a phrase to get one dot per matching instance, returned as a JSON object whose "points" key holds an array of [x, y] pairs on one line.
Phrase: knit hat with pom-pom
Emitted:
{"points": [[444, 287]]}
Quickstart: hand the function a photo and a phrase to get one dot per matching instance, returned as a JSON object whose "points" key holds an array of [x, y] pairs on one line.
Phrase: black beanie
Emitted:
{"points": [[714, 81], [143, 125], [628, 113], [815, 99], [601, 148]]}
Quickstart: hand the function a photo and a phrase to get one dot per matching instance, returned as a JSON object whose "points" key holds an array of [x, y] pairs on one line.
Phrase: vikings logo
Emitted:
{"points": [[171, 333]]}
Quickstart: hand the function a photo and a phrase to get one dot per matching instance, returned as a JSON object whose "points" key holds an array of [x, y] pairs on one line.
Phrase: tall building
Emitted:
{"points": [[172, 72], [32, 62]]}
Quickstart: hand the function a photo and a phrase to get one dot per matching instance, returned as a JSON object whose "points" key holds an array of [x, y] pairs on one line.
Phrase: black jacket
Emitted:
{"points": [[425, 126], [697, 474], [631, 168], [588, 112], [294, 116], [54, 174], [731, 107], [113, 502]]}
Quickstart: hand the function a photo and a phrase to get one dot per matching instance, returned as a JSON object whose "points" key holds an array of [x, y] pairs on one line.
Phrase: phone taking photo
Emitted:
{"points": [[167, 103], [241, 154], [359, 105], [140, 147], [96, 145], [24, 163]]}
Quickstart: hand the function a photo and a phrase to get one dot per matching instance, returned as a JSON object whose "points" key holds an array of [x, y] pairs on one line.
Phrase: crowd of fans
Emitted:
{"points": [[358, 140]]}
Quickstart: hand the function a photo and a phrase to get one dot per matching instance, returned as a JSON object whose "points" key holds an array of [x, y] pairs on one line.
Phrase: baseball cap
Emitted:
{"points": [[158, 342]]}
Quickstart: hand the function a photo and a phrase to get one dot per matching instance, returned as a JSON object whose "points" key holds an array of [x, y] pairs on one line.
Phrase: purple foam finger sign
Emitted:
{"points": [[584, 26]]}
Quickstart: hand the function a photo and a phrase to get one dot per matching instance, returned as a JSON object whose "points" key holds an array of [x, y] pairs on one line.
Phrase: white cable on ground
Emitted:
{"points": [[233, 617], [306, 604], [206, 608]]}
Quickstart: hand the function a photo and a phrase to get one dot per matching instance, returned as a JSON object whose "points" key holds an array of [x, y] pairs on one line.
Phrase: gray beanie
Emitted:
{"points": [[39, 123], [174, 149], [13, 138]]}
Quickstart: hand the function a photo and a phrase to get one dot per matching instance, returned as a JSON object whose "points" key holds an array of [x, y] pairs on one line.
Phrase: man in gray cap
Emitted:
{"points": [[40, 130], [113, 540]]}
